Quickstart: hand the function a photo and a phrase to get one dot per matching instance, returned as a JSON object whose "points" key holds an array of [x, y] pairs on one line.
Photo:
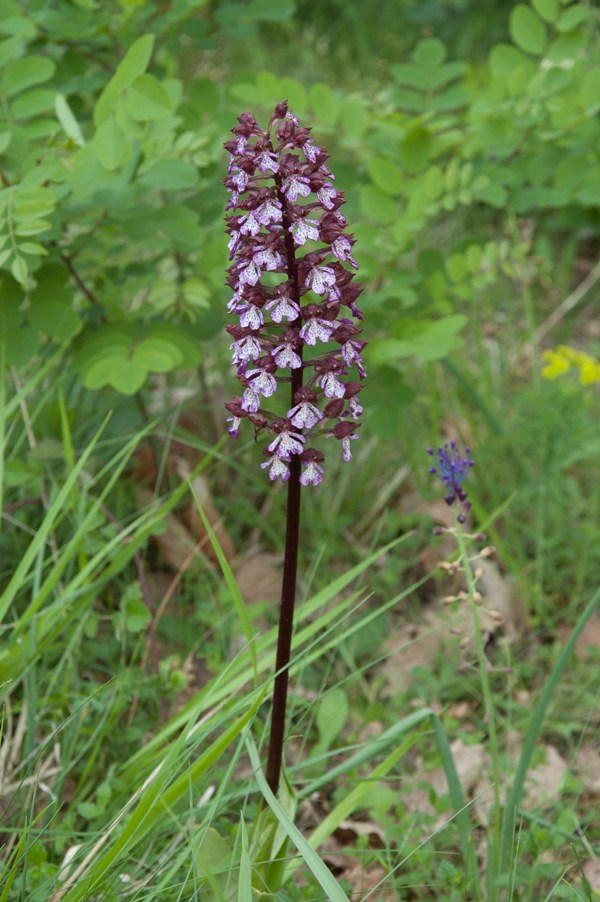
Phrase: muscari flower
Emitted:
{"points": [[295, 341], [452, 468]]}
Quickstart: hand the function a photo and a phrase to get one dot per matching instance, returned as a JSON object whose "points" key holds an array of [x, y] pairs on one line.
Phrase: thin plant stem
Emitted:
{"points": [[286, 622], [292, 537], [490, 716]]}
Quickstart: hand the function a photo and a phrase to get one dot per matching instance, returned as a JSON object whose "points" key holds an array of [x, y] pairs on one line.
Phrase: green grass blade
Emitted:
{"points": [[33, 549], [234, 590], [516, 792], [152, 804], [322, 874], [245, 875]]}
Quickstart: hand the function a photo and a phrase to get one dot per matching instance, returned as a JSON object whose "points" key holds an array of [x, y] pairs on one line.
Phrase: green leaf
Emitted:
{"points": [[355, 118], [574, 16], [56, 319], [527, 30], [32, 103], [158, 355], [271, 10], [32, 203], [147, 100], [23, 73], [427, 340], [415, 149], [110, 145], [126, 376], [187, 345], [388, 177], [69, 123], [170, 175], [324, 103], [411, 75], [377, 205], [134, 63], [20, 271], [32, 227], [134, 616], [547, 9], [332, 713], [430, 53], [589, 89]]}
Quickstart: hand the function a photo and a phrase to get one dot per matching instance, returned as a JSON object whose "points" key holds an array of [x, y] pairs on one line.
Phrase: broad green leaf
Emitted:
{"points": [[110, 145], [126, 376], [55, 318], [134, 63], [355, 118], [589, 89], [170, 175], [69, 123], [377, 205], [427, 340], [547, 9], [32, 248], [527, 30], [21, 345], [294, 91], [504, 59], [23, 73], [33, 203], [271, 10], [187, 345], [20, 271], [32, 103], [158, 355], [574, 16], [324, 103], [456, 267], [415, 148], [146, 99], [411, 75], [430, 53], [32, 227], [388, 177]]}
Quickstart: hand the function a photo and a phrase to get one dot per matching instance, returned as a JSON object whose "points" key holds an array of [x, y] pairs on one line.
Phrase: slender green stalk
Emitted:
{"points": [[490, 716]]}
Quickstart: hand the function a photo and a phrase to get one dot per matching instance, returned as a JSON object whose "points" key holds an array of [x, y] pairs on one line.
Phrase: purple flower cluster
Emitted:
{"points": [[452, 468], [293, 292]]}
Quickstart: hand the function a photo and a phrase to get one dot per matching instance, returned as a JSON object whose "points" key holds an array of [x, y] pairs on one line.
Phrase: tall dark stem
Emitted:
{"points": [[292, 537]]}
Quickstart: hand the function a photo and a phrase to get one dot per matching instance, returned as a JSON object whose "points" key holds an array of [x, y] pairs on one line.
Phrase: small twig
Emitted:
{"points": [[68, 261], [565, 307]]}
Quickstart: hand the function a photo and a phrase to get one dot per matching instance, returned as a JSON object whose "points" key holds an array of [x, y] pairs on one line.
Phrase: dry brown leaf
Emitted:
{"points": [[589, 638], [348, 831], [587, 768], [469, 761], [544, 782], [591, 869], [363, 881], [259, 577]]}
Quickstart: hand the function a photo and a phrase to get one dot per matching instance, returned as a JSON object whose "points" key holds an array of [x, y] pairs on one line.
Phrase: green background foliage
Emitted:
{"points": [[466, 136]]}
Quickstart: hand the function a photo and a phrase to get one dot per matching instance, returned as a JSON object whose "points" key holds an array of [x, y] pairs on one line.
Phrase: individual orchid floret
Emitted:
{"points": [[313, 471], [452, 469], [288, 298], [278, 468], [305, 414]]}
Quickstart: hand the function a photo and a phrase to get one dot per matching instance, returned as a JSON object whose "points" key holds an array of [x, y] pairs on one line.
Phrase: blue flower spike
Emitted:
{"points": [[452, 469]]}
